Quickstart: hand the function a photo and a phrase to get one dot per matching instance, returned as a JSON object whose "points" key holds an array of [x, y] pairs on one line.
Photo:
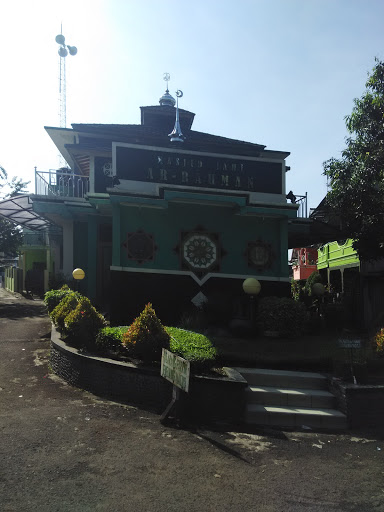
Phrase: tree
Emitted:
{"points": [[11, 236], [13, 187], [357, 179], [3, 179]]}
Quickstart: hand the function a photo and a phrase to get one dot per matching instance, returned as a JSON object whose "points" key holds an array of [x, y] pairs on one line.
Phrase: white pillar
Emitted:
{"points": [[92, 174], [46, 280], [47, 267], [67, 247]]}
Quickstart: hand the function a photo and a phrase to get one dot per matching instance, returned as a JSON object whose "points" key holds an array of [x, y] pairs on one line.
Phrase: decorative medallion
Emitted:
{"points": [[200, 251], [140, 246], [259, 255]]}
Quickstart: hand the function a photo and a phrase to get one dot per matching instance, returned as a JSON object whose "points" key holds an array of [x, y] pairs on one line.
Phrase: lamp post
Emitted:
{"points": [[318, 289], [78, 274], [252, 287]]}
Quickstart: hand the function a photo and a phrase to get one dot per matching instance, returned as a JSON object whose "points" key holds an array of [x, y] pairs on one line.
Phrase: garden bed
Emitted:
{"points": [[362, 404], [211, 397]]}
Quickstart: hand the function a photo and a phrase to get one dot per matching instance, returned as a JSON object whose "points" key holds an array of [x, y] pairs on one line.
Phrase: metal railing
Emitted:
{"points": [[61, 184], [302, 212], [301, 201]]}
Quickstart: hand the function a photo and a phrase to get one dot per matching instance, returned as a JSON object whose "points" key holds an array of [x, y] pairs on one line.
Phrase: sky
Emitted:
{"points": [[282, 73]]}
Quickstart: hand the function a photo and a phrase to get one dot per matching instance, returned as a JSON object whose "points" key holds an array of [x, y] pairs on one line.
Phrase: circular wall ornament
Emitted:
{"points": [[199, 251], [259, 255], [140, 246]]}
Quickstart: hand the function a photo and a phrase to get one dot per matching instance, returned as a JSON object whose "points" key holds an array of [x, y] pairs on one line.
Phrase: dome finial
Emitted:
{"points": [[166, 78], [166, 98], [177, 134]]}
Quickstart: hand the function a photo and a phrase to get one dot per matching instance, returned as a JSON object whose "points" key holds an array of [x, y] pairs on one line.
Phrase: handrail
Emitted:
{"points": [[302, 212], [61, 184], [301, 201]]}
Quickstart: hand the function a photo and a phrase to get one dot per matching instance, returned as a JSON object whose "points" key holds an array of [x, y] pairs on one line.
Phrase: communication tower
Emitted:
{"points": [[63, 52]]}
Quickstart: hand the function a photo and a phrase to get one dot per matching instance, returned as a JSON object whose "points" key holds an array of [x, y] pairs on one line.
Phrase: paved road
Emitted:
{"points": [[64, 450]]}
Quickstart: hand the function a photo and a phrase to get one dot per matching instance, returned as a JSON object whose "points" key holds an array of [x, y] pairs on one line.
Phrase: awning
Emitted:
{"points": [[19, 210]]}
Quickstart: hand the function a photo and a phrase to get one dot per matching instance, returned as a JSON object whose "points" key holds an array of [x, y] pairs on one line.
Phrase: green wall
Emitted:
{"points": [[234, 231], [32, 256]]}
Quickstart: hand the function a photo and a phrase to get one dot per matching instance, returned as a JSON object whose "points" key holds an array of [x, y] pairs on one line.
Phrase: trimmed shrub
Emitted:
{"points": [[110, 338], [54, 297], [146, 337], [65, 306], [83, 323], [285, 316], [192, 346]]}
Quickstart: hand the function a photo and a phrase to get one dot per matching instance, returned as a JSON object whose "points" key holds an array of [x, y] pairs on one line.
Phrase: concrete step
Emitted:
{"points": [[330, 419], [283, 378], [294, 397]]}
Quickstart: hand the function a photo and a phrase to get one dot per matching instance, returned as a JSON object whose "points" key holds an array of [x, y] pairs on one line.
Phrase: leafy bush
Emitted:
{"points": [[83, 323], [192, 346], [315, 277], [297, 288], [146, 337], [54, 297], [379, 340], [110, 338], [65, 306], [280, 314]]}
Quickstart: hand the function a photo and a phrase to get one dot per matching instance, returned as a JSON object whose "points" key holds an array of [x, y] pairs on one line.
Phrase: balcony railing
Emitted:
{"points": [[302, 212], [61, 184]]}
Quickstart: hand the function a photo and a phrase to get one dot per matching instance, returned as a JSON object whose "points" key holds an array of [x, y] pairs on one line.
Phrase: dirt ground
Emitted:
{"points": [[62, 449]]}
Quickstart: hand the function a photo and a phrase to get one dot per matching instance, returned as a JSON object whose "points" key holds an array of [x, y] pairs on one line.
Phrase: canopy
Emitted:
{"points": [[19, 210]]}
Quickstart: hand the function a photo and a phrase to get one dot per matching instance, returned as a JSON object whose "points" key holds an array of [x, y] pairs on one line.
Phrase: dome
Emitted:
{"points": [[167, 99]]}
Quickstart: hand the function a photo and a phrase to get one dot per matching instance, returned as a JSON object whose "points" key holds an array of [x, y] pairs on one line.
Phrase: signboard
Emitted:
{"points": [[198, 170], [175, 369], [350, 343]]}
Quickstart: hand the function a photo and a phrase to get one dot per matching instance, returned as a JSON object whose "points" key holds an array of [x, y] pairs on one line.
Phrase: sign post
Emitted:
{"points": [[351, 344], [176, 370]]}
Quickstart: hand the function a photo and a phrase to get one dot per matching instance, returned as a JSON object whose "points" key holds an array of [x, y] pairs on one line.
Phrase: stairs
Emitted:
{"points": [[290, 399]]}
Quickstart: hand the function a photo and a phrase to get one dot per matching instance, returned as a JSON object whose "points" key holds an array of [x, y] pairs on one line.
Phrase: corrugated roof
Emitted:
{"points": [[19, 210]]}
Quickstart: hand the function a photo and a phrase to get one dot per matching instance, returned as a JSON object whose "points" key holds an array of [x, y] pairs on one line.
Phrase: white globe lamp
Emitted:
{"points": [[251, 286], [78, 274], [318, 289]]}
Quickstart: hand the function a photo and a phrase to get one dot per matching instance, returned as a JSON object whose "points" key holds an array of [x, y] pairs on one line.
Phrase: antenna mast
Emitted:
{"points": [[63, 52]]}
